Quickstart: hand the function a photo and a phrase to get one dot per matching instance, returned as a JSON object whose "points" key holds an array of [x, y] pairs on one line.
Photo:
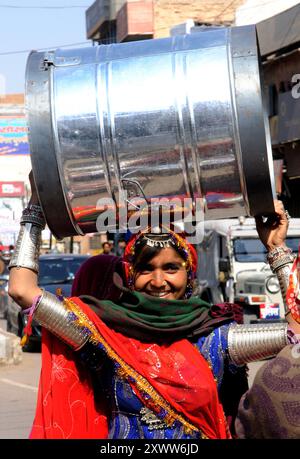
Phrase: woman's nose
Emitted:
{"points": [[158, 279]]}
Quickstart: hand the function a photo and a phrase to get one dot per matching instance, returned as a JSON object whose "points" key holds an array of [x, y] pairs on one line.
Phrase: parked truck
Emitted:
{"points": [[232, 267]]}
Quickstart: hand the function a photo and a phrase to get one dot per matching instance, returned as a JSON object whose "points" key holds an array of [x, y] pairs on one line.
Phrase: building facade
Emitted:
{"points": [[128, 20]]}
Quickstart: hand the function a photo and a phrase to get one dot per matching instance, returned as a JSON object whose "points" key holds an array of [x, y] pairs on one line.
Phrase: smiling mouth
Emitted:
{"points": [[159, 294]]}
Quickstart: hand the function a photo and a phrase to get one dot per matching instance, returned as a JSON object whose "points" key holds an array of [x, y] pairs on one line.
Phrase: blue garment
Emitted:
{"points": [[126, 420]]}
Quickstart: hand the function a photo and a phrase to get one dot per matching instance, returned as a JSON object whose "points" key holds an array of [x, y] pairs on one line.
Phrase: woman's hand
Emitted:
{"points": [[273, 231], [34, 196], [23, 285]]}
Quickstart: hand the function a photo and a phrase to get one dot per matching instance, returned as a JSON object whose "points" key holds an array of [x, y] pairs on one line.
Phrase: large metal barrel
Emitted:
{"points": [[174, 117]]}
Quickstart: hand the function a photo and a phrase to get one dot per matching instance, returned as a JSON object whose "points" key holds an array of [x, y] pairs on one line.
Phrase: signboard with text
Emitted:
{"points": [[270, 311], [12, 189], [13, 135]]}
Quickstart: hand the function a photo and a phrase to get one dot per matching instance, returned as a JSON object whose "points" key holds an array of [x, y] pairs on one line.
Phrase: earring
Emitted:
{"points": [[188, 291]]}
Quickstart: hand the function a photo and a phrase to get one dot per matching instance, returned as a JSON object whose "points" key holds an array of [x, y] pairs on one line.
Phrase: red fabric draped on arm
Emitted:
{"points": [[177, 372], [65, 407]]}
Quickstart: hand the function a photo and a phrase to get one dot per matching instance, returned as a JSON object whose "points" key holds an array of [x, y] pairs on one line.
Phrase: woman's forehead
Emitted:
{"points": [[166, 255]]}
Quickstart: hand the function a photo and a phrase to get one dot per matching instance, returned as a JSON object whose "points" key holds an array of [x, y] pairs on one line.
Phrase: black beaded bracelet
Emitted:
{"points": [[33, 214]]}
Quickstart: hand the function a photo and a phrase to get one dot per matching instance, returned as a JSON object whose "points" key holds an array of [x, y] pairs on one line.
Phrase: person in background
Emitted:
{"points": [[106, 248], [271, 408], [121, 247], [112, 246]]}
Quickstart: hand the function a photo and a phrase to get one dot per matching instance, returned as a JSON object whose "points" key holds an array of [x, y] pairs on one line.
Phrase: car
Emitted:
{"points": [[56, 271], [3, 294]]}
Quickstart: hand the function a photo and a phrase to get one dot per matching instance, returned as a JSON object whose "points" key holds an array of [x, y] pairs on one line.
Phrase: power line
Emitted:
{"points": [[225, 9], [8, 53], [251, 7], [46, 7]]}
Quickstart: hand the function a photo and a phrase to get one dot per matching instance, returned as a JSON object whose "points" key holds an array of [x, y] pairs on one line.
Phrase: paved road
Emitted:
{"points": [[18, 393]]}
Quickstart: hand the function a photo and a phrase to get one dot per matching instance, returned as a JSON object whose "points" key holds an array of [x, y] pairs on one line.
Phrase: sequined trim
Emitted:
{"points": [[151, 420], [151, 398]]}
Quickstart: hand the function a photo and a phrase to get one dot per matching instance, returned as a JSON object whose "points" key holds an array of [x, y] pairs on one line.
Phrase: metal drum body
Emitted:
{"points": [[180, 116]]}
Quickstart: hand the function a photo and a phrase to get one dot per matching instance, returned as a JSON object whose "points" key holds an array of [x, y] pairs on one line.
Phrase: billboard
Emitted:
{"points": [[12, 189], [10, 214], [13, 135]]}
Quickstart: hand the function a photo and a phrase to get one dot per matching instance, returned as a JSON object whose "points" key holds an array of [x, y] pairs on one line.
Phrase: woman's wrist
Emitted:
{"points": [[274, 247], [27, 247], [279, 256], [33, 214]]}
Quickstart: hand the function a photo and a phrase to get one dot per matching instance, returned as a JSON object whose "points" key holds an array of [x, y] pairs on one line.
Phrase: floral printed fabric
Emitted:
{"points": [[271, 408]]}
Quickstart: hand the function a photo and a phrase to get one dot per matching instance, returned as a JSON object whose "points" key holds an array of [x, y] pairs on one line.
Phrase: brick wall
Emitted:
{"points": [[168, 13], [135, 18]]}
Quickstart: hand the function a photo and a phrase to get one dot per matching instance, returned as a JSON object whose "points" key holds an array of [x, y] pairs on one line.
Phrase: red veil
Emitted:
{"points": [[173, 377]]}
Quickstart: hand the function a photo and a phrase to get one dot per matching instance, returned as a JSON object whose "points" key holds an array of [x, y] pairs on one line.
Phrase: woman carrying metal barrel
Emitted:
{"points": [[152, 363]]}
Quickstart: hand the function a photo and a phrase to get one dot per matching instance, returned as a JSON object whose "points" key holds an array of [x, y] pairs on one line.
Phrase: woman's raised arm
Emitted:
{"points": [[23, 285], [272, 233]]}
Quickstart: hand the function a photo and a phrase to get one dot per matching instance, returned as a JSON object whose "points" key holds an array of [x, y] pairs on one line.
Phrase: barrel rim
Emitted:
{"points": [[42, 148]]}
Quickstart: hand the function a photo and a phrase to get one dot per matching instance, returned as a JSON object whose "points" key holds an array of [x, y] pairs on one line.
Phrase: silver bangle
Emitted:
{"points": [[283, 276], [248, 343], [281, 261], [27, 250], [53, 315], [278, 252]]}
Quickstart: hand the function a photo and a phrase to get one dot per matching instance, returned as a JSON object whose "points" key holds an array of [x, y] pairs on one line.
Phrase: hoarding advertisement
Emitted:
{"points": [[13, 135], [12, 189]]}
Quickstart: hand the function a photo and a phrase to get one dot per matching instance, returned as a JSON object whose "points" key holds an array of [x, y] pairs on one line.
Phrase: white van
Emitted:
{"points": [[232, 267]]}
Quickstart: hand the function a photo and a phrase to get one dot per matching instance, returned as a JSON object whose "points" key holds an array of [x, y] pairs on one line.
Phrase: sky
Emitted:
{"points": [[36, 28], [36, 24]]}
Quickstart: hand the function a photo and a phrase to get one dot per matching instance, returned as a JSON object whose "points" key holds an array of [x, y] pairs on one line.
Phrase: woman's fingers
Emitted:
{"points": [[34, 196]]}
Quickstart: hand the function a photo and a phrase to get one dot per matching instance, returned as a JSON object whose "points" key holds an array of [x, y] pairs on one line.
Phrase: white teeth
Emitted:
{"points": [[159, 294]]}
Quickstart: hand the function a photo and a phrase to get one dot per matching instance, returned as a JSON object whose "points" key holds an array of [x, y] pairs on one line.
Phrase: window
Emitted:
{"points": [[252, 250], [58, 271]]}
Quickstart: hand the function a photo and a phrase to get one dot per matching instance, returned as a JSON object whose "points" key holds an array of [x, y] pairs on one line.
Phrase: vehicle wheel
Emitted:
{"points": [[29, 346]]}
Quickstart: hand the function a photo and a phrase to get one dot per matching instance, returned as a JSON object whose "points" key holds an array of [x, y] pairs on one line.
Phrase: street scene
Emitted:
{"points": [[18, 393], [150, 220]]}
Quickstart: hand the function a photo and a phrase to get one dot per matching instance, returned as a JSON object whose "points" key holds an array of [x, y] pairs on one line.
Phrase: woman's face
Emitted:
{"points": [[164, 276]]}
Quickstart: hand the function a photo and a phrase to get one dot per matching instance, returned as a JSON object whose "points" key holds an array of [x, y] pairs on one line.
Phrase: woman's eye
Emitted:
{"points": [[171, 268], [145, 269]]}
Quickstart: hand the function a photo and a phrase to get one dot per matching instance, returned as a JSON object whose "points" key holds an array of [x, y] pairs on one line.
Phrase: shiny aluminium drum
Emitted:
{"points": [[176, 117]]}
